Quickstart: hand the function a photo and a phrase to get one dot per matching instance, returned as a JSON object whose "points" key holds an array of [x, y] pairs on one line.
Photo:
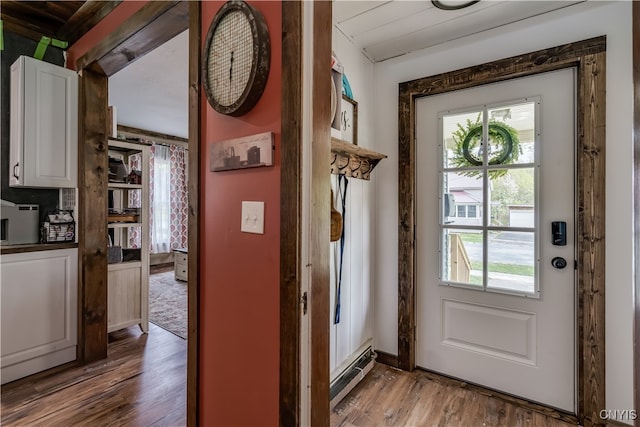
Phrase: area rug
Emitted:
{"points": [[168, 303]]}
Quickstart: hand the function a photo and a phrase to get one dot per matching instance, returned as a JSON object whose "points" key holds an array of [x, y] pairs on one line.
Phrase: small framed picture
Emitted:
{"points": [[242, 153], [349, 120]]}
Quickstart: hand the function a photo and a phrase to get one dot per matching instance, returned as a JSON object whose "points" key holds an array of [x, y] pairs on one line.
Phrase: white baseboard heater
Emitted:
{"points": [[351, 376]]}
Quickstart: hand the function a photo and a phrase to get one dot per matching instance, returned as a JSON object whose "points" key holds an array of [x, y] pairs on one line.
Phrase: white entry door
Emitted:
{"points": [[495, 306]]}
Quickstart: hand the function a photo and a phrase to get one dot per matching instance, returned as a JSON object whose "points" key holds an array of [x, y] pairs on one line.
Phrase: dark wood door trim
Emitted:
{"points": [[588, 57], [193, 273], [320, 208], [92, 212], [92, 149], [290, 213], [154, 24], [636, 202]]}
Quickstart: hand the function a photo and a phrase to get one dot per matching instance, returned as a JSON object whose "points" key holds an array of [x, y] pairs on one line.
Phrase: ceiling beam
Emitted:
{"points": [[85, 18], [166, 19], [12, 26], [34, 19], [158, 137]]}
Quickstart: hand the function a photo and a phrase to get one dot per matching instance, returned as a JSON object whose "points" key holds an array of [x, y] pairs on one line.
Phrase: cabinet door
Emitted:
{"points": [[38, 312], [44, 125], [126, 299]]}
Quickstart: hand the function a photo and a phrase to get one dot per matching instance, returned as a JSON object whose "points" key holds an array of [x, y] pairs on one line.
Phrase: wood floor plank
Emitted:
{"points": [[390, 397], [141, 383]]}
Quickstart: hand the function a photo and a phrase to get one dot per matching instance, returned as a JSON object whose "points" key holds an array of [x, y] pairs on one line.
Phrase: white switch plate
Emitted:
{"points": [[252, 217]]}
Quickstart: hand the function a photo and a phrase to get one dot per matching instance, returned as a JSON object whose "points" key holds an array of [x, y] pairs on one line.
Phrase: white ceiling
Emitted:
{"points": [[152, 93], [386, 29]]}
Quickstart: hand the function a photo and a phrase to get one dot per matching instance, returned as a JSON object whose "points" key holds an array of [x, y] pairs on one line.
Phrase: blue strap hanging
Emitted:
{"points": [[342, 193], [346, 87]]}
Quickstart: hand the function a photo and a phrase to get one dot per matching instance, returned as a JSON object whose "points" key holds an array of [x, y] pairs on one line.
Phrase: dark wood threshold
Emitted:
{"points": [[546, 410], [386, 358]]}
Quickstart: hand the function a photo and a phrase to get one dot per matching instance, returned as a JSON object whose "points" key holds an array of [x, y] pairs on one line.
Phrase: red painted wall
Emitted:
{"points": [[239, 323], [239, 300]]}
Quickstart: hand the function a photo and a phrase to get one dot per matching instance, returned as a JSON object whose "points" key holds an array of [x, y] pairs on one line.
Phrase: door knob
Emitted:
{"points": [[559, 262]]}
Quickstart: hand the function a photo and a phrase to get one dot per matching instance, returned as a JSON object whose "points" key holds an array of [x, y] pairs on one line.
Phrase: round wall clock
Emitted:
{"points": [[236, 58]]}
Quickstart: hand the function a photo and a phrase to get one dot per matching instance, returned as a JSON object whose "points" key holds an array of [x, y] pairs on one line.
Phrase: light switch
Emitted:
{"points": [[252, 217]]}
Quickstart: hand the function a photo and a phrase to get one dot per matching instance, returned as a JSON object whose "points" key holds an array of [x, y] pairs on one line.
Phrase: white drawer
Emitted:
{"points": [[181, 272], [179, 258]]}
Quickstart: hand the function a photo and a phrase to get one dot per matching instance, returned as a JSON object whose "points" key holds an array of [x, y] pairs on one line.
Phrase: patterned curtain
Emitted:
{"points": [[179, 208], [177, 198], [135, 162]]}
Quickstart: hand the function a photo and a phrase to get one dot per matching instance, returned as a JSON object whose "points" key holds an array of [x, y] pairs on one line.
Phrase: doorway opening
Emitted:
{"points": [[149, 104], [150, 27], [588, 57], [490, 305]]}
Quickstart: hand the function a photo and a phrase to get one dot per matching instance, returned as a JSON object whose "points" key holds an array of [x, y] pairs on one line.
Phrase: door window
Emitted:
{"points": [[488, 190]]}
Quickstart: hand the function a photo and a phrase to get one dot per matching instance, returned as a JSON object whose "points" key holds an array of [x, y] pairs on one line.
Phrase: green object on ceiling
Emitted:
{"points": [[44, 43], [1, 36]]}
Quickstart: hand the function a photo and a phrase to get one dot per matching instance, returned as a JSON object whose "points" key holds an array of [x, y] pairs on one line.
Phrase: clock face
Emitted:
{"points": [[236, 59], [231, 58]]}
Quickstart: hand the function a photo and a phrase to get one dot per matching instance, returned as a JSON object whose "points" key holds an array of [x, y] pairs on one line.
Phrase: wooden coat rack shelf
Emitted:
{"points": [[352, 160]]}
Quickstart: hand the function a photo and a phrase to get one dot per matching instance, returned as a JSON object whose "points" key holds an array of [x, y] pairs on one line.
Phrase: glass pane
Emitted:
{"points": [[512, 197], [511, 257], [462, 256], [455, 128], [461, 194], [512, 134]]}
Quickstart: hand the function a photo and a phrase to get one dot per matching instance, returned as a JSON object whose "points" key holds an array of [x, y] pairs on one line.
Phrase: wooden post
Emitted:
{"points": [[92, 208]]}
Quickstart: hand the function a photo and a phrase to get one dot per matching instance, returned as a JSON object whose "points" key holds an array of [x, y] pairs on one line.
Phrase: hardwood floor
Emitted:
{"points": [[390, 397], [141, 383]]}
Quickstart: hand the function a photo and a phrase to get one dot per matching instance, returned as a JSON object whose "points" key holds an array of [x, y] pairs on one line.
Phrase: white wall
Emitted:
{"points": [[356, 315], [580, 22]]}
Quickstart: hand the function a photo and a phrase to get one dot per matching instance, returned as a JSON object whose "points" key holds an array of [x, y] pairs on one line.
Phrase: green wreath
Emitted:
{"points": [[503, 148]]}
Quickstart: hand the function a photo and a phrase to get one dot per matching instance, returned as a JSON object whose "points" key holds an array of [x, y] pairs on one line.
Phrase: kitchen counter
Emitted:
{"points": [[35, 247]]}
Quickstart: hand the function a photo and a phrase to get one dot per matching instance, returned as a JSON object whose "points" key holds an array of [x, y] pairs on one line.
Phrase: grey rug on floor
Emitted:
{"points": [[168, 303]]}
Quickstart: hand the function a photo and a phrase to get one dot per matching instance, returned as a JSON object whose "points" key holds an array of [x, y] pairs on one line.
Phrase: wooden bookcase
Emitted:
{"points": [[128, 269]]}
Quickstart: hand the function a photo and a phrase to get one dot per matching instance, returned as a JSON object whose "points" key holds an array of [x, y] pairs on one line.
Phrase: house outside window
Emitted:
{"points": [[467, 211]]}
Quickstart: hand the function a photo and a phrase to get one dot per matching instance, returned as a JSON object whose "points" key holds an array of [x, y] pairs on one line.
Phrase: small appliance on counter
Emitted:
{"points": [[18, 223]]}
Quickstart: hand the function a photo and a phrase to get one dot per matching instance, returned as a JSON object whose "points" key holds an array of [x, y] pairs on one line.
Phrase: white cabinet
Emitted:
{"points": [[128, 224], [38, 311], [180, 264], [43, 125]]}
